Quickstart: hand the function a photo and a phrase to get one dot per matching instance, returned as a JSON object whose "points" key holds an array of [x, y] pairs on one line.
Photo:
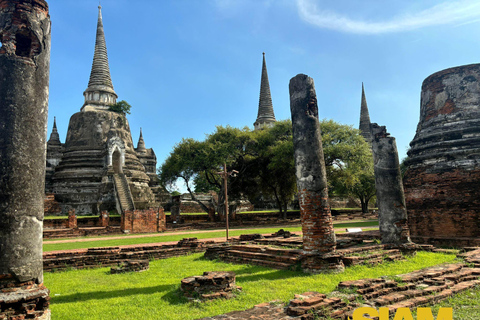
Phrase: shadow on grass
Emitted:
{"points": [[99, 295]]}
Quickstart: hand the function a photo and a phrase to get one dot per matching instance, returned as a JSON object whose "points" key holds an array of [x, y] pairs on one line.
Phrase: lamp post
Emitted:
{"points": [[225, 175]]}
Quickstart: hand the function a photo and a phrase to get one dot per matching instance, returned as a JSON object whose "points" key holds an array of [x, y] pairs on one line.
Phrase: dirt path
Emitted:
{"points": [[168, 234], [146, 235]]}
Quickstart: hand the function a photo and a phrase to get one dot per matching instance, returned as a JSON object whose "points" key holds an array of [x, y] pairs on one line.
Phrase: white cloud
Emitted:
{"points": [[444, 13]]}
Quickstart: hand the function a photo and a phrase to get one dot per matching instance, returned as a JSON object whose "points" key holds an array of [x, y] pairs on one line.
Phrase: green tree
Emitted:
{"points": [[348, 161], [121, 107], [199, 162], [265, 162], [271, 168]]}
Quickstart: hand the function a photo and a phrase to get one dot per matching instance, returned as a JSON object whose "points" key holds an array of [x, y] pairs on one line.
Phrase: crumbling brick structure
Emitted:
{"points": [[317, 225], [143, 221], [24, 77], [443, 166]]}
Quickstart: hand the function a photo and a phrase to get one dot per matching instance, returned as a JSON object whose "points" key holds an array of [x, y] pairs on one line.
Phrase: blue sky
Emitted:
{"points": [[187, 66]]}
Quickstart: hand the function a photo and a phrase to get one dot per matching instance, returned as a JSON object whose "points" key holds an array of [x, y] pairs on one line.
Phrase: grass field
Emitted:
{"points": [[465, 305], [176, 237], [154, 294]]}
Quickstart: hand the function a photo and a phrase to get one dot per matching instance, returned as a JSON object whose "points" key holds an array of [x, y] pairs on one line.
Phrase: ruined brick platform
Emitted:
{"points": [[419, 288], [286, 258], [210, 285], [131, 266], [111, 256]]}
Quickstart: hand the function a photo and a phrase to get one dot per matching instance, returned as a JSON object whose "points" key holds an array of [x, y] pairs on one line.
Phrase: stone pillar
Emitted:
{"points": [[392, 212], [72, 219], [317, 225], [24, 77]]}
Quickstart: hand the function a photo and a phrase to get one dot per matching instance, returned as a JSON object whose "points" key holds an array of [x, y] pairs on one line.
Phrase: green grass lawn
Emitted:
{"points": [[176, 237], [154, 294]]}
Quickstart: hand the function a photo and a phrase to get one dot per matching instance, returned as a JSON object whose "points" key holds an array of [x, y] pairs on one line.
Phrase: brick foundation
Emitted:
{"points": [[26, 300], [111, 256]]}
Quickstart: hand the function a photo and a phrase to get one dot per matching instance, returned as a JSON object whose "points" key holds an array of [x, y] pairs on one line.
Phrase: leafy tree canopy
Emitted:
{"points": [[264, 159], [121, 107]]}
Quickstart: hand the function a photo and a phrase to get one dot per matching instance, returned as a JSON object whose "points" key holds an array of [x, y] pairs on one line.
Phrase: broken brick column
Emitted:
{"points": [[319, 241], [72, 221], [392, 212], [161, 220], [24, 78], [104, 219]]}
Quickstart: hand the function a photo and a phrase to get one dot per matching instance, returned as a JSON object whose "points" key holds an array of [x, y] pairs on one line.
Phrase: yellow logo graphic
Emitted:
{"points": [[402, 314]]}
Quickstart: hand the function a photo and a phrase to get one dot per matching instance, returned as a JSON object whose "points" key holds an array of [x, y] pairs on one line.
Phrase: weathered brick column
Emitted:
{"points": [[72, 221], [104, 219], [161, 220], [317, 225], [392, 212], [24, 78]]}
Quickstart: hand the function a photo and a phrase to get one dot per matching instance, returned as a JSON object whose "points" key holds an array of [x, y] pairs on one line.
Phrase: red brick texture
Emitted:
{"points": [[443, 206], [143, 221], [72, 220], [104, 219], [317, 223], [26, 300], [51, 206]]}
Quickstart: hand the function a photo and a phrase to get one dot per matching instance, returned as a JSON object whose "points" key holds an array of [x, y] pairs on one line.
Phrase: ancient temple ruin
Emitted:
{"points": [[98, 168], [265, 117], [443, 165]]}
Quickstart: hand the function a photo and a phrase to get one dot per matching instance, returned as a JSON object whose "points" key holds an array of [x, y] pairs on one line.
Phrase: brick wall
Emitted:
{"points": [[110, 256], [143, 221], [443, 205]]}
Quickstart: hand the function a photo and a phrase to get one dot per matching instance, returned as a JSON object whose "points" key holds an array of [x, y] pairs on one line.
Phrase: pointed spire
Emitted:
{"points": [[54, 136], [265, 116], [141, 143], [365, 118], [100, 93]]}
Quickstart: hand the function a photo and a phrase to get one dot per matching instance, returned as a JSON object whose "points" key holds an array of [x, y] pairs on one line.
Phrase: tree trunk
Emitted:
{"points": [[285, 204], [279, 203], [364, 205]]}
